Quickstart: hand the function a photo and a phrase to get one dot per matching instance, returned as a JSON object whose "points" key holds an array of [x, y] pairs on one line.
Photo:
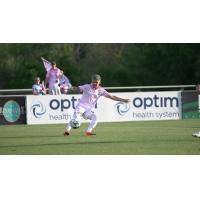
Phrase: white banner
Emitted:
{"points": [[50, 109], [143, 106]]}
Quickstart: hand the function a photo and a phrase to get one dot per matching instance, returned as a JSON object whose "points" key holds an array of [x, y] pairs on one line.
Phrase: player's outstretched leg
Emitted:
{"points": [[93, 122], [67, 129], [76, 116]]}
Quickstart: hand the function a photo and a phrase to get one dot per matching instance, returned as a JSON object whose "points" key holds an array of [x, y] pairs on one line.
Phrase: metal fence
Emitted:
{"points": [[112, 89]]}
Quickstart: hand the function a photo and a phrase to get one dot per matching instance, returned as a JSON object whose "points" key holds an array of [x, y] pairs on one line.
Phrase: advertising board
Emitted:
{"points": [[143, 106], [12, 110]]}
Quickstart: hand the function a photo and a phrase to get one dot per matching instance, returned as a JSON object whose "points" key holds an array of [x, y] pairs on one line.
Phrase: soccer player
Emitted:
{"points": [[52, 78], [91, 93], [38, 88], [197, 134]]}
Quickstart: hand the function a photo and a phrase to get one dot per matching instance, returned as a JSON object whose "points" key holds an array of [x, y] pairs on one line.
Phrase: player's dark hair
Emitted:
{"points": [[96, 77]]}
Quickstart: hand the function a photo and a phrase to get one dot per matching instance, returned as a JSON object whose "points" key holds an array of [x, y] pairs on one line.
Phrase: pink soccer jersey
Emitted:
{"points": [[52, 76], [90, 96]]}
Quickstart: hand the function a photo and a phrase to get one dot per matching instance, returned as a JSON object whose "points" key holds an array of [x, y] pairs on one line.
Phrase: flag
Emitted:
{"points": [[47, 64], [64, 81]]}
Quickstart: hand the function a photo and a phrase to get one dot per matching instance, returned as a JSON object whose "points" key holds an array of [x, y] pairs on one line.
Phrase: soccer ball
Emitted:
{"points": [[75, 124]]}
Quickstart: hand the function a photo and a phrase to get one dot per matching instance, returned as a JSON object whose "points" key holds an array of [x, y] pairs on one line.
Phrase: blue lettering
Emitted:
{"points": [[169, 99], [64, 104], [54, 104], [135, 102], [155, 101], [148, 102]]}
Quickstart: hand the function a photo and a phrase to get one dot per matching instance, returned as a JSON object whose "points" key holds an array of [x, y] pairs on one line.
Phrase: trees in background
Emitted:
{"points": [[119, 64]]}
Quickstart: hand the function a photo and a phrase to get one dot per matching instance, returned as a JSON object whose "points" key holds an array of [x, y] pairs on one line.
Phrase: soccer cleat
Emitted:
{"points": [[196, 134], [66, 133], [89, 134]]}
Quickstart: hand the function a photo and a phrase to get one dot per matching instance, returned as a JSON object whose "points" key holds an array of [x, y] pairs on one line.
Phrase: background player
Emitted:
{"points": [[52, 78], [38, 88]]}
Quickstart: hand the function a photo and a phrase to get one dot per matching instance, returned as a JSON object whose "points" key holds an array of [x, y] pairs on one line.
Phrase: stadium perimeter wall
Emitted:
{"points": [[49, 109]]}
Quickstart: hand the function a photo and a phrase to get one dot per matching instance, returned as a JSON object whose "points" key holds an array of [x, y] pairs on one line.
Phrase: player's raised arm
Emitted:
{"points": [[115, 98], [74, 89]]}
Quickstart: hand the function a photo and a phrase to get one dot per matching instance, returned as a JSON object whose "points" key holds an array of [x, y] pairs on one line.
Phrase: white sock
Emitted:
{"points": [[89, 130], [68, 127]]}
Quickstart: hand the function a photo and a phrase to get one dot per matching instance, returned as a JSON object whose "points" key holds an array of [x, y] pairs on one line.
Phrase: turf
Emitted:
{"points": [[124, 138]]}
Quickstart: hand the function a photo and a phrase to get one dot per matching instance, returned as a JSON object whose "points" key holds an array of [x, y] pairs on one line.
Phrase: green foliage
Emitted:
{"points": [[119, 64]]}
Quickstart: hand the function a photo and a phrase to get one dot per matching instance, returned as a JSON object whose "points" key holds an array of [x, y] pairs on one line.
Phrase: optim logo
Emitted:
{"points": [[155, 101], [38, 109], [122, 108], [11, 111]]}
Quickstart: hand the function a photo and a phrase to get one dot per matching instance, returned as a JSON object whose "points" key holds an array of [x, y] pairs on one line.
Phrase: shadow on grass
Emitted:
{"points": [[31, 136], [70, 143]]}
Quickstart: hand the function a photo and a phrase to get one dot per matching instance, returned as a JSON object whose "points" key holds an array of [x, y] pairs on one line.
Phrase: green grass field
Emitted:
{"points": [[126, 138]]}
